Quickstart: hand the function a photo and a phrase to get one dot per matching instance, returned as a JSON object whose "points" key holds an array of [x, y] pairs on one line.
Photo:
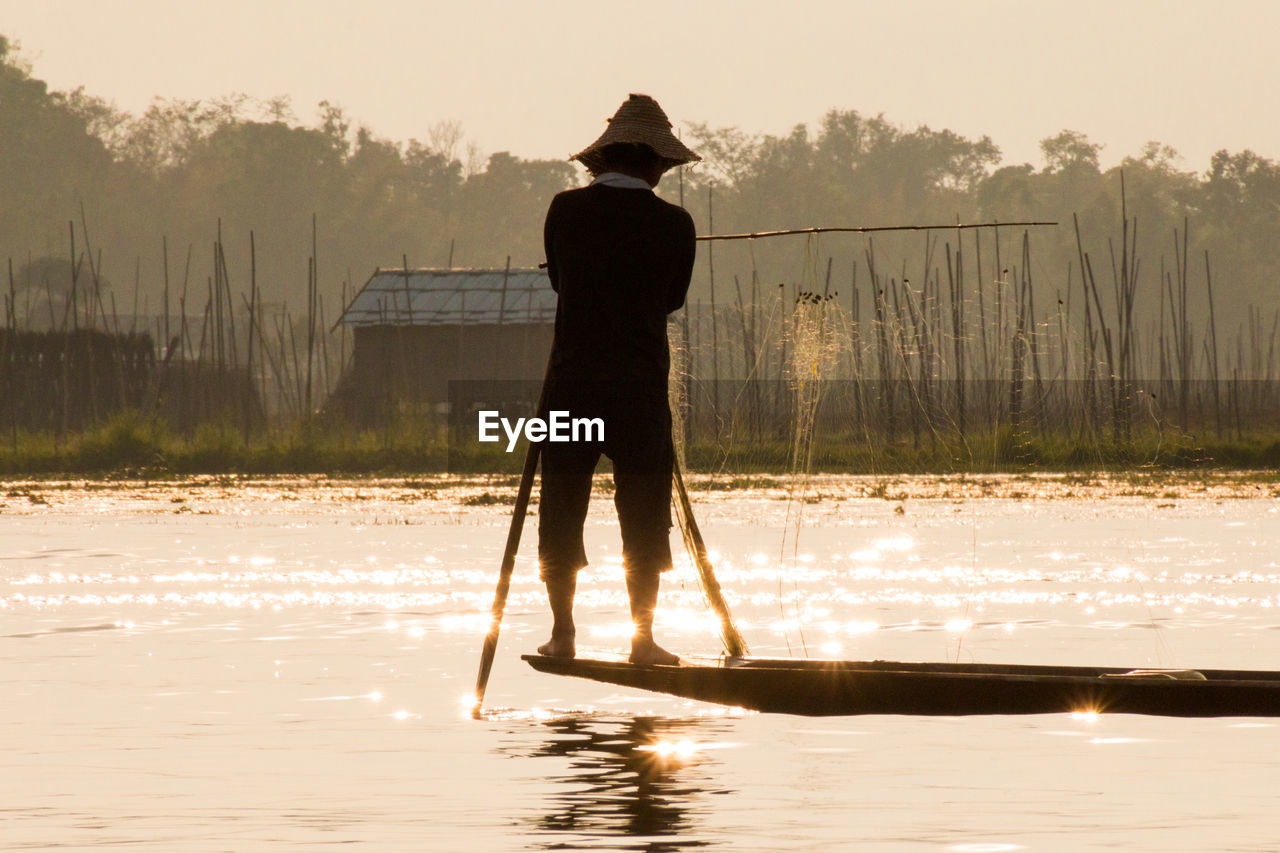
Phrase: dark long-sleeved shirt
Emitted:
{"points": [[621, 260]]}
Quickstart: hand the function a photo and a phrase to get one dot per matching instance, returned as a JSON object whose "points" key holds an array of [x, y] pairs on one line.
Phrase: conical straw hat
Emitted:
{"points": [[638, 121]]}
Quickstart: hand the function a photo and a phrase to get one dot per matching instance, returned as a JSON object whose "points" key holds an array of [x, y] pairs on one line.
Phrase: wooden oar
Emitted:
{"points": [[504, 573]]}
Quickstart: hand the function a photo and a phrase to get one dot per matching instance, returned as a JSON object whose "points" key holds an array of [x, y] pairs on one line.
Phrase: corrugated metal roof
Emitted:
{"points": [[452, 297]]}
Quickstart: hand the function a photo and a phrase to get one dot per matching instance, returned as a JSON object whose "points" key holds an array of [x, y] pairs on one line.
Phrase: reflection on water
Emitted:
{"points": [[635, 784]]}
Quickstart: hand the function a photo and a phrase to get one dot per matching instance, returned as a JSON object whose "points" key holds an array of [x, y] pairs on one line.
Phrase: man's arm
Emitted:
{"points": [[687, 248], [548, 243]]}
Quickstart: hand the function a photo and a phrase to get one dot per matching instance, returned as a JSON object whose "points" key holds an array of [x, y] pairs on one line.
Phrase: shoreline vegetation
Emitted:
{"points": [[208, 493], [132, 446]]}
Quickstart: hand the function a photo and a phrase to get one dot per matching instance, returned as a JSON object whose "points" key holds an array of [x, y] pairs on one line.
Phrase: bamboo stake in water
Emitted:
{"points": [[11, 328], [954, 285], [1212, 344], [715, 340], [184, 344], [313, 286], [251, 386], [164, 254], [686, 401], [324, 346]]}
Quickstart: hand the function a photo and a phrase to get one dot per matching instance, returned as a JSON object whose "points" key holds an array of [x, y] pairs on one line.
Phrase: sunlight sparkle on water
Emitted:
{"points": [[682, 749], [537, 715]]}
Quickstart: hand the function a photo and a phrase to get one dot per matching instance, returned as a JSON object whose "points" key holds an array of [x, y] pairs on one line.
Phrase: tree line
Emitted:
{"points": [[141, 198]]}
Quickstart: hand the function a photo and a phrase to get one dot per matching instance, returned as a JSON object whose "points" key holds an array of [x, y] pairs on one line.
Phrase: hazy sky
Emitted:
{"points": [[539, 78]]}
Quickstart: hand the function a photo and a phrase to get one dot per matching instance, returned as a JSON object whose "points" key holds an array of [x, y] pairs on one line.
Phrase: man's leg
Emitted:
{"points": [[562, 508], [642, 464], [642, 588], [560, 592]]}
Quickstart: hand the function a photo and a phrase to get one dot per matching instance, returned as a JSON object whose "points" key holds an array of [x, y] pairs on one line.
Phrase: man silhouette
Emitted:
{"points": [[620, 259]]}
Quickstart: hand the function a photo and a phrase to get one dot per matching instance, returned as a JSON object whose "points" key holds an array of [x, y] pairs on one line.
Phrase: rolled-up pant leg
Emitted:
{"points": [[643, 502], [563, 499], [642, 457]]}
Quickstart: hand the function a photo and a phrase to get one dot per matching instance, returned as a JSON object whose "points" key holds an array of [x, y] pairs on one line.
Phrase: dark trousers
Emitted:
{"points": [[637, 439]]}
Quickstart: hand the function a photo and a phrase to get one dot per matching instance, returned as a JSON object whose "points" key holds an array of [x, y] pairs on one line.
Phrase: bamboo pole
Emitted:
{"points": [[252, 384], [324, 348], [303, 401], [1212, 345], [748, 357], [855, 347], [882, 347], [313, 287], [276, 369], [715, 339], [686, 400], [870, 229], [955, 289], [760, 357], [184, 335], [10, 340], [164, 253]]}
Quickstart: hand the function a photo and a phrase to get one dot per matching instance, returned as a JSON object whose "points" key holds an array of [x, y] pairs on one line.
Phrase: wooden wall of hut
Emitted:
{"points": [[395, 366]]}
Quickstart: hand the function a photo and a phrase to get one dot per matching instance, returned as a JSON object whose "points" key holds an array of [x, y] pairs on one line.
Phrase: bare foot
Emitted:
{"points": [[558, 647], [646, 651]]}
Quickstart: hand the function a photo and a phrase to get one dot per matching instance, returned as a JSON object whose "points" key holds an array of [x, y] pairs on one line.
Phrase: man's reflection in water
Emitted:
{"points": [[637, 778]]}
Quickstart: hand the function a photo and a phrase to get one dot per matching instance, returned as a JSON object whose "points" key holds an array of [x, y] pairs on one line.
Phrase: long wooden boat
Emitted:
{"points": [[837, 687]]}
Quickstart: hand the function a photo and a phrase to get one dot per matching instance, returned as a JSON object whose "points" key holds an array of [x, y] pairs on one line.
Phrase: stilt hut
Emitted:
{"points": [[432, 337]]}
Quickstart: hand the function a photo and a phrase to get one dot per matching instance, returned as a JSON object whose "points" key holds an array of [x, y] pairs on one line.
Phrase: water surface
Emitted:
{"points": [[227, 665]]}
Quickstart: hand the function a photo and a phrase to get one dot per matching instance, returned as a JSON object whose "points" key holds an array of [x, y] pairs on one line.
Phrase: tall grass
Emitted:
{"points": [[134, 444]]}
